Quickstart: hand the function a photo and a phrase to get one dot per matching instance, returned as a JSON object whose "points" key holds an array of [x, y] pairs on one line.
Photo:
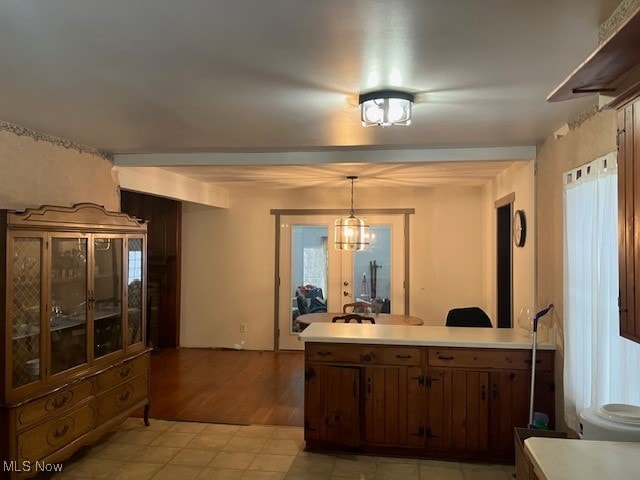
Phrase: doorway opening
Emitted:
{"points": [[312, 276], [504, 270]]}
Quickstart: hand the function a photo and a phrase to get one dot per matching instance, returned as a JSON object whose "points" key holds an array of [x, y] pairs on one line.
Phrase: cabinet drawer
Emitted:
{"points": [[363, 354], [54, 403], [40, 441], [331, 353], [121, 398], [489, 358], [122, 373], [391, 356]]}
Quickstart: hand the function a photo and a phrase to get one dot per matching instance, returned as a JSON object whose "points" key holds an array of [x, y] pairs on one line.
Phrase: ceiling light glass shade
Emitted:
{"points": [[351, 234], [385, 108]]}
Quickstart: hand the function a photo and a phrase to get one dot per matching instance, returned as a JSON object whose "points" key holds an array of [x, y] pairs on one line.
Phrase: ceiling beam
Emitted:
{"points": [[155, 181], [327, 156]]}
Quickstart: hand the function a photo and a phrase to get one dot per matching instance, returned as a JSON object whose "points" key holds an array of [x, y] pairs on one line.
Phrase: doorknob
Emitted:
{"points": [[345, 283]]}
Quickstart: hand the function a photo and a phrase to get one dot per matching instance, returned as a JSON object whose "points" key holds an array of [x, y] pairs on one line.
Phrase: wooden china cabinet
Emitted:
{"points": [[75, 363]]}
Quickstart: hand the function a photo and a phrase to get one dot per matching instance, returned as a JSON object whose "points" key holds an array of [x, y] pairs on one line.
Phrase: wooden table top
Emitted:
{"points": [[380, 318]]}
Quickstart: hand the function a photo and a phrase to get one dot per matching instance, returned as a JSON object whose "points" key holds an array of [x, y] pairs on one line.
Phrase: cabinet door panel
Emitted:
{"points": [[509, 407], [477, 411], [68, 302], [332, 404], [107, 295], [633, 150], [25, 308], [629, 219], [440, 421], [343, 405], [394, 406], [135, 291], [459, 410]]}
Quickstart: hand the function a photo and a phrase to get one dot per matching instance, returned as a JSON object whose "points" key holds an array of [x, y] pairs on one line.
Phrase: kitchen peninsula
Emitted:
{"points": [[438, 392]]}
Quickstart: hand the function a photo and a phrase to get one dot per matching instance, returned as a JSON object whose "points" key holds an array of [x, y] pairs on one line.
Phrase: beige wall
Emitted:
{"points": [[519, 180], [228, 257], [34, 173], [594, 138]]}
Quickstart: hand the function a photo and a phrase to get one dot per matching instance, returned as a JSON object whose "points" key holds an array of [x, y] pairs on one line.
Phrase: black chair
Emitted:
{"points": [[468, 317]]}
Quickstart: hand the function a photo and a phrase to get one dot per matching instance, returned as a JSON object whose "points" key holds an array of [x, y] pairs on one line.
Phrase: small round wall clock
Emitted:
{"points": [[519, 228]]}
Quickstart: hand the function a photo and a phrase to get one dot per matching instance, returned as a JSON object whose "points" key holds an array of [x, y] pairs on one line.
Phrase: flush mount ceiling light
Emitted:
{"points": [[351, 233], [385, 107]]}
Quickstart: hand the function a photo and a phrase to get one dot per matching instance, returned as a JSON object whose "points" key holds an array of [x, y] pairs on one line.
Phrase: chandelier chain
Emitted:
{"points": [[351, 213]]}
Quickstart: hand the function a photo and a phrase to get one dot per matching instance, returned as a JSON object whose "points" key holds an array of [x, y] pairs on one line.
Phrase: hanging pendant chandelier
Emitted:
{"points": [[351, 233]]}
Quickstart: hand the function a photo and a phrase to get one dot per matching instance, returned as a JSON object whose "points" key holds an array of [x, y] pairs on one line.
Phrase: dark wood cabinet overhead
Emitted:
{"points": [[610, 70]]}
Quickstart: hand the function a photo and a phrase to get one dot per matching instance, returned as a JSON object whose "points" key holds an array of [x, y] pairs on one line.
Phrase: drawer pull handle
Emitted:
{"points": [[403, 357], [538, 361], [60, 401], [323, 354], [367, 357], [125, 371], [125, 396], [61, 433], [446, 358]]}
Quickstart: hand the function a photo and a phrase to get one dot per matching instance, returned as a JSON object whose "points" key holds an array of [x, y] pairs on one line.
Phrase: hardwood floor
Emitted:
{"points": [[228, 386]]}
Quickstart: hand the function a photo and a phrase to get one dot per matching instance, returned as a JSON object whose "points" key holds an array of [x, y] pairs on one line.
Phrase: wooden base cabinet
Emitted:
{"points": [[456, 403], [75, 363]]}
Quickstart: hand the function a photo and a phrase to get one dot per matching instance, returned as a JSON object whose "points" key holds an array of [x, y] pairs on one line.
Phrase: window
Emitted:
{"points": [[599, 366]]}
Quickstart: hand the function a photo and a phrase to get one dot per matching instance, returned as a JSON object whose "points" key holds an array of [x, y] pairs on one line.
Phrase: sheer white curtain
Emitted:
{"points": [[599, 366]]}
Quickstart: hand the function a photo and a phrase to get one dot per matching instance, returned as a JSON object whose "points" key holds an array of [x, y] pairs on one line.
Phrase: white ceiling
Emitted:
{"points": [[160, 76]]}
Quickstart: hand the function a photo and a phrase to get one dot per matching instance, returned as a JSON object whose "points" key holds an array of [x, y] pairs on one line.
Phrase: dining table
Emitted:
{"points": [[379, 318]]}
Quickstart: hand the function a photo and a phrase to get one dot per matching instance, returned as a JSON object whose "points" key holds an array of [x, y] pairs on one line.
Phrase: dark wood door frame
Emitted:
{"points": [[164, 263], [504, 261]]}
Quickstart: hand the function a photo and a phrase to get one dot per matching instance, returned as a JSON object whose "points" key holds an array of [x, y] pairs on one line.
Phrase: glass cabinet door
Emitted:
{"points": [[134, 290], [107, 295], [68, 319], [25, 297]]}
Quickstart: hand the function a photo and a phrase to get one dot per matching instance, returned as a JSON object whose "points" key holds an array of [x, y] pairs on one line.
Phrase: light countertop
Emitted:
{"points": [[563, 459], [420, 335]]}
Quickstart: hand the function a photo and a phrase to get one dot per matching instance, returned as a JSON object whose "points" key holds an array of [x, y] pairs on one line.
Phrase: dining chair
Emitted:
{"points": [[352, 316], [361, 307]]}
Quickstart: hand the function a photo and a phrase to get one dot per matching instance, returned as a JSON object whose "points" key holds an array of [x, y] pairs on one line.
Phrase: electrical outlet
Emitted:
{"points": [[243, 328]]}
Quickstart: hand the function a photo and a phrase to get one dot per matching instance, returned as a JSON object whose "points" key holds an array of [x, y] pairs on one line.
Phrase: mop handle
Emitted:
{"points": [[534, 347], [533, 377]]}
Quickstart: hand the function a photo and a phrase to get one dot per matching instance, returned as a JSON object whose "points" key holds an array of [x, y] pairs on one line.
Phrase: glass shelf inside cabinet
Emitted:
{"points": [[25, 310], [68, 319]]}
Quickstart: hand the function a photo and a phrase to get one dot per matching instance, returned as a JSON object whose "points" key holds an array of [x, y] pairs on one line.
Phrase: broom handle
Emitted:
{"points": [[533, 376]]}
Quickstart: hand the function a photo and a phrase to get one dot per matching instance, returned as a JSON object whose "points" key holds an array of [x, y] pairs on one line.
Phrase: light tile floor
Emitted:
{"points": [[190, 451]]}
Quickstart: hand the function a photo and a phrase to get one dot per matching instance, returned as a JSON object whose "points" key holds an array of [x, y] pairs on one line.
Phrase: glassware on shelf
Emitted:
{"points": [[525, 319]]}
